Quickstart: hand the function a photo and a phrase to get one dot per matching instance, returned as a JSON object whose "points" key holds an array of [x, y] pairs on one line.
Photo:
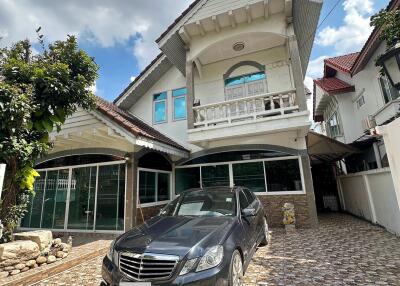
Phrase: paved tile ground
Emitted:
{"points": [[342, 251]]}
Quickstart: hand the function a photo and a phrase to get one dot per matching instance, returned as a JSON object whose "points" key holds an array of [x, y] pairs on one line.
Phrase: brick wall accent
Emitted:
{"points": [[273, 207], [148, 212]]}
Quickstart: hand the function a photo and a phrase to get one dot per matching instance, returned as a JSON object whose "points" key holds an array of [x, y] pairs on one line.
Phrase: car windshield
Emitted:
{"points": [[208, 203]]}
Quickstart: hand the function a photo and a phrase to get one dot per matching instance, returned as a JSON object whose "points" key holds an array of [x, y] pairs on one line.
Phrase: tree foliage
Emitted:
{"points": [[37, 93], [389, 23]]}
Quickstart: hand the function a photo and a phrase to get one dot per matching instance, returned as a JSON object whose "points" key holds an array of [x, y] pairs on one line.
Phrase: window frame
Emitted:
{"points": [[230, 163], [361, 98], [382, 78], [173, 103], [339, 133], [66, 215], [154, 107], [156, 203]]}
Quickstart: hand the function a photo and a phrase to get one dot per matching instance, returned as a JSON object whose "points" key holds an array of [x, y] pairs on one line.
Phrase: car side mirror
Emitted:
{"points": [[248, 212]]}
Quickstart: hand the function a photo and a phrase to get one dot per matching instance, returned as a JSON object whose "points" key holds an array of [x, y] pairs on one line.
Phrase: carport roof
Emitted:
{"points": [[324, 149]]}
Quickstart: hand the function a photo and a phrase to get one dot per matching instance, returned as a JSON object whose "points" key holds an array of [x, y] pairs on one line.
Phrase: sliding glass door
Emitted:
{"points": [[82, 198], [78, 198], [110, 198]]}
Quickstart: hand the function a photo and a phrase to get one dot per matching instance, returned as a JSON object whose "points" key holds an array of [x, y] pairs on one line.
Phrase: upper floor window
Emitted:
{"points": [[388, 90], [360, 101], [179, 103], [160, 107], [245, 85], [333, 125]]}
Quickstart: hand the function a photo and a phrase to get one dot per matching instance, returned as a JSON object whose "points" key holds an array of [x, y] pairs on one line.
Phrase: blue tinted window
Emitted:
{"points": [[244, 78], [160, 96], [160, 111], [234, 81], [179, 92], [180, 107], [255, 76]]}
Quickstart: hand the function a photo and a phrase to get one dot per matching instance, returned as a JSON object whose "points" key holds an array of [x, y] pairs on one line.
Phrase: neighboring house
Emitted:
{"points": [[352, 103], [223, 104], [352, 99]]}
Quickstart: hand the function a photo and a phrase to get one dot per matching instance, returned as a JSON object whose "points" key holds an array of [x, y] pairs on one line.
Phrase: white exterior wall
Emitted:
{"points": [[143, 108], [211, 88], [371, 195], [367, 82], [391, 137], [348, 124]]}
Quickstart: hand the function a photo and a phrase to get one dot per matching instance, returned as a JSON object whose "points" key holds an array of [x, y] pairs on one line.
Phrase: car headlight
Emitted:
{"points": [[110, 253], [188, 266], [211, 258]]}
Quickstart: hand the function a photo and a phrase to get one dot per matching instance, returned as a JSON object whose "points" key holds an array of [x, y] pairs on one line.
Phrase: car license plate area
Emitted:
{"points": [[135, 283]]}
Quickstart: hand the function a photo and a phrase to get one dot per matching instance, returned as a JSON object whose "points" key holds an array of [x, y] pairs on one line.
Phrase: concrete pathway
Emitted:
{"points": [[342, 251]]}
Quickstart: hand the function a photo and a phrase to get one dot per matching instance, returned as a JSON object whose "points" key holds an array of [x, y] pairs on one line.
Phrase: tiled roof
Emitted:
{"points": [[133, 124], [333, 85], [343, 63], [372, 42]]}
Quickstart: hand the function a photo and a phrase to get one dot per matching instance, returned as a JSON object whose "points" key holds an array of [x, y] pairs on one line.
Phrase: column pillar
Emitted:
{"points": [[190, 94], [298, 76], [131, 193], [377, 155], [308, 183]]}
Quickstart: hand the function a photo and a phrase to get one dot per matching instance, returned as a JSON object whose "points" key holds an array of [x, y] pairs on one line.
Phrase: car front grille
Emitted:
{"points": [[147, 267]]}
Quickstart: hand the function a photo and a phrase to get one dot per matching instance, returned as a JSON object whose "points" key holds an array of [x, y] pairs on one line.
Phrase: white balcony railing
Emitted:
{"points": [[245, 109]]}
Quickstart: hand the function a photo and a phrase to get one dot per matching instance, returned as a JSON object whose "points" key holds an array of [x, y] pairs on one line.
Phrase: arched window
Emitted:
{"points": [[244, 85]]}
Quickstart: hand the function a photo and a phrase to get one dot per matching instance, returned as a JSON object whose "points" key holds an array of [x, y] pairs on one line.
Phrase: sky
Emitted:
{"points": [[120, 34]]}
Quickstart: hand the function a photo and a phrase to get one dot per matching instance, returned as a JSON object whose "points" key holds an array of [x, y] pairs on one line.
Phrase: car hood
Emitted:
{"points": [[177, 235]]}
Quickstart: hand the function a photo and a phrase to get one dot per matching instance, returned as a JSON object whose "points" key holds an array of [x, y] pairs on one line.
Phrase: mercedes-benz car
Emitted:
{"points": [[203, 237]]}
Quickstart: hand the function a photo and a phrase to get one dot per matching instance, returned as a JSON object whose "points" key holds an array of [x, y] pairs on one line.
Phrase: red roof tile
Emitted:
{"points": [[343, 63], [133, 124], [333, 85]]}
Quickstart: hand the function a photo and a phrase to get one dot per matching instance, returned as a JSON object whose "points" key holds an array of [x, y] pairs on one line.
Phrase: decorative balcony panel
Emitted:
{"points": [[251, 115], [246, 108]]}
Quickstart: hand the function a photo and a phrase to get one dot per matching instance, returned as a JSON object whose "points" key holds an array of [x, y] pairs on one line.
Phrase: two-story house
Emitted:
{"points": [[353, 97], [223, 104]]}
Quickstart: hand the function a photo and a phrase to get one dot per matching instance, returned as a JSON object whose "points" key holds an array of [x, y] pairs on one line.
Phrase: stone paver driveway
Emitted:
{"points": [[342, 251]]}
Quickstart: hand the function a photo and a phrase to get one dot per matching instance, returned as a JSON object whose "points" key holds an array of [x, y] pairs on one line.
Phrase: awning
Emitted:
{"points": [[323, 149]]}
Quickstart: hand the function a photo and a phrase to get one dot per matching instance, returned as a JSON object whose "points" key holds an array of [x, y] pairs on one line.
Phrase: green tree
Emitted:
{"points": [[389, 23], [37, 93]]}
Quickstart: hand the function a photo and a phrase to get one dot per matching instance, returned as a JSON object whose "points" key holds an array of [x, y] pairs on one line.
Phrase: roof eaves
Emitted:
{"points": [[136, 80], [372, 42], [176, 21]]}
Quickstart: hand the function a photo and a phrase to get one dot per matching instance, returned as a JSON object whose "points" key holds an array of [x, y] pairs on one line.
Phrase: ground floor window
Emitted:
{"points": [[272, 175], [154, 186], [79, 198]]}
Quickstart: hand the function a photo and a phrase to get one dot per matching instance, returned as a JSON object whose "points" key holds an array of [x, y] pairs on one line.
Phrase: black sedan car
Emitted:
{"points": [[203, 237]]}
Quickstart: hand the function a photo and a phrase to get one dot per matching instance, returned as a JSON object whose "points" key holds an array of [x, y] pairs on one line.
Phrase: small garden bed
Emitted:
{"points": [[31, 250]]}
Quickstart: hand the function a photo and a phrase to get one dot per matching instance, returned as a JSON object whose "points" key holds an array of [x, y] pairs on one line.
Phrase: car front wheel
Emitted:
{"points": [[236, 270]]}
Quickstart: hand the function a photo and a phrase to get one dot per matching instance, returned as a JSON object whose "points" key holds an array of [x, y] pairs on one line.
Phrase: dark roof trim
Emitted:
{"points": [[138, 78], [176, 21], [372, 43]]}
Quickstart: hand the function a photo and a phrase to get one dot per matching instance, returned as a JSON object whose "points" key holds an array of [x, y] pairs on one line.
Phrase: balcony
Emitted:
{"points": [[250, 115]]}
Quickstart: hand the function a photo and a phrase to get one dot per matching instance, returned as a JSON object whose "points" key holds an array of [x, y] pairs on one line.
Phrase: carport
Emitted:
{"points": [[324, 154]]}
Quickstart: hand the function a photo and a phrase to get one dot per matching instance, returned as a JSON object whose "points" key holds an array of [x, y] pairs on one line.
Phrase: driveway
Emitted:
{"points": [[342, 251]]}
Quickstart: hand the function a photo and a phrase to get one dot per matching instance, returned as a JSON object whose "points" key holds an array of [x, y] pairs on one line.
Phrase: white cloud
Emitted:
{"points": [[104, 22], [351, 36], [132, 78], [316, 67], [93, 88]]}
